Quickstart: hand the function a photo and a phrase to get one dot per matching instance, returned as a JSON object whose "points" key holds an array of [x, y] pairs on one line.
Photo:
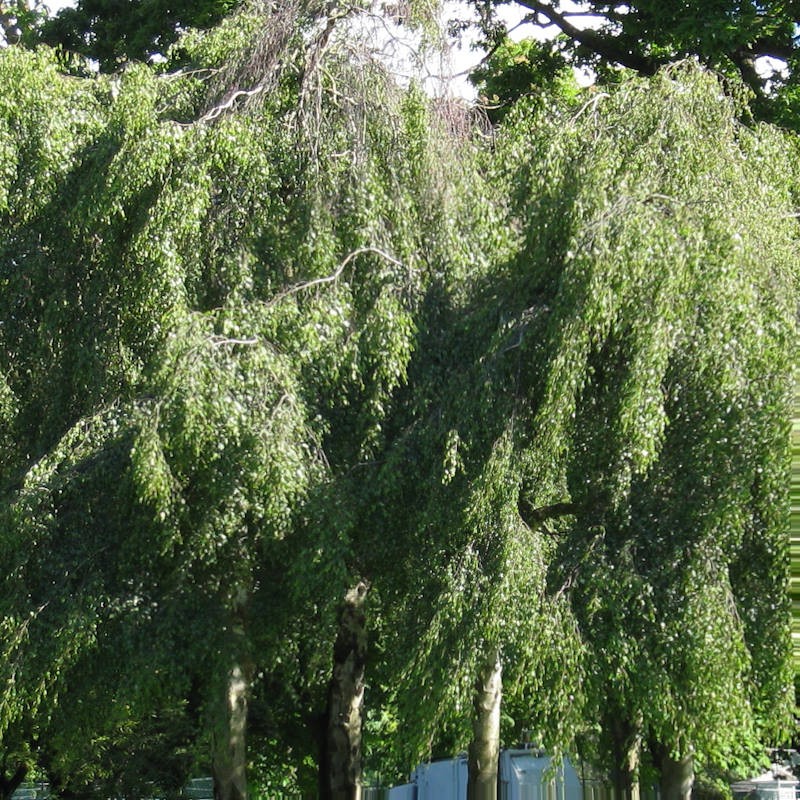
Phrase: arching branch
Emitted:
{"points": [[605, 46]]}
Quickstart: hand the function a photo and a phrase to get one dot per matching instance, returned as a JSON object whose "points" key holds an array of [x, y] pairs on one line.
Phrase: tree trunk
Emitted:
{"points": [[341, 757], [9, 785], [676, 775], [228, 757], [626, 749], [229, 764], [484, 749], [318, 727]]}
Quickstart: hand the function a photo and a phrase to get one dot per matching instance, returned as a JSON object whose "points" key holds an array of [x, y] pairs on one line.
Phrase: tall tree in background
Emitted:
{"points": [[20, 22], [113, 33], [643, 36]]}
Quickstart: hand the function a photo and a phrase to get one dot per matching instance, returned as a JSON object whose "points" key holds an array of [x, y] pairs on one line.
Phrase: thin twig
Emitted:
{"points": [[204, 72], [218, 341], [334, 276], [211, 115]]}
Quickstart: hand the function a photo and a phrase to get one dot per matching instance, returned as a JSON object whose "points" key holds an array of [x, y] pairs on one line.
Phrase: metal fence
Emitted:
{"points": [[32, 790], [196, 789]]}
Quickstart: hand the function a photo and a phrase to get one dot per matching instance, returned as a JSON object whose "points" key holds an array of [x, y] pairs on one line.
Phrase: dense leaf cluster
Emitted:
{"points": [[753, 43], [535, 392]]}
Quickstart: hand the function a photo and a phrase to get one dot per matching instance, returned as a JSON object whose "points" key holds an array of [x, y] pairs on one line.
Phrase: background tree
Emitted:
{"points": [[727, 36], [521, 69], [20, 22], [113, 33]]}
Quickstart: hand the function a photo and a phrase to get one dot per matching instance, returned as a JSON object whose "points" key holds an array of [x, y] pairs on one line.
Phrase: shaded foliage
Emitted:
{"points": [[113, 33], [271, 327]]}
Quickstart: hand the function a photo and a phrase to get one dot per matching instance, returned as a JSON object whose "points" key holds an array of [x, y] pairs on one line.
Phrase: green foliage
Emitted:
{"points": [[253, 352], [112, 33], [644, 36], [609, 363], [522, 69], [651, 320], [205, 327]]}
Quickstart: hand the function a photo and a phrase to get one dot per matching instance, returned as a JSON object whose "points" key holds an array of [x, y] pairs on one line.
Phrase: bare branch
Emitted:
{"points": [[219, 341], [336, 274], [217, 110]]}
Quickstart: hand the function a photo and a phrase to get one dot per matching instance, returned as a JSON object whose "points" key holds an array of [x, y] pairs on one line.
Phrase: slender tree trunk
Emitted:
{"points": [[626, 751], [229, 757], [318, 727], [676, 775], [484, 750], [229, 763], [677, 778], [341, 757]]}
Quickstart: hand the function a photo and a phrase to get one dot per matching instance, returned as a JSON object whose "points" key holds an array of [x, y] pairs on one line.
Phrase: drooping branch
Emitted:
{"points": [[534, 517], [230, 100], [334, 276]]}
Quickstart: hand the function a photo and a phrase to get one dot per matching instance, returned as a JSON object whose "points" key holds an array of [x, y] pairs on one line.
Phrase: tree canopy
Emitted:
{"points": [[110, 33], [299, 368], [756, 43]]}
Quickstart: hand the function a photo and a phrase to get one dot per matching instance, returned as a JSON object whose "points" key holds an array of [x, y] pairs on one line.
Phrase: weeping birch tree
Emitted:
{"points": [[207, 307], [665, 315], [602, 420], [156, 467]]}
